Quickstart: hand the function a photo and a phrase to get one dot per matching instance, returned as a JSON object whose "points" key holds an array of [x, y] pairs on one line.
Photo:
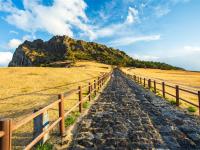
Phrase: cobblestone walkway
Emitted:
{"points": [[127, 117]]}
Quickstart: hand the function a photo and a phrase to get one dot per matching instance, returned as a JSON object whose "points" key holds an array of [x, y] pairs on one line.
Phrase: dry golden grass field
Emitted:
{"points": [[185, 79], [24, 89]]}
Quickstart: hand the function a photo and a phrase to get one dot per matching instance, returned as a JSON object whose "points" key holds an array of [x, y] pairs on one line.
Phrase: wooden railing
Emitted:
{"points": [[152, 84], [7, 126]]}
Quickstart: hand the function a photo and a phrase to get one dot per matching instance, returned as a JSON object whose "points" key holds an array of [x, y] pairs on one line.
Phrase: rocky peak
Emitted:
{"points": [[65, 48]]}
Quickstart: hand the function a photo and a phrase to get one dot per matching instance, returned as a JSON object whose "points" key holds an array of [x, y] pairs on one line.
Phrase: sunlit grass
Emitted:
{"points": [[185, 79], [24, 89], [71, 119], [192, 109]]}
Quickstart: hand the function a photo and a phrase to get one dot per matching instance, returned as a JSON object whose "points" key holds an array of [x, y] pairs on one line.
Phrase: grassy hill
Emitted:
{"points": [[68, 50]]}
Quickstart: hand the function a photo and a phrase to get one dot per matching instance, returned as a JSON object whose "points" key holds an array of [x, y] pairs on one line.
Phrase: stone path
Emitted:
{"points": [[128, 117]]}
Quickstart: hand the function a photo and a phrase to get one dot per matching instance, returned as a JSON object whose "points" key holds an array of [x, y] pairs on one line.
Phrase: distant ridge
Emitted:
{"points": [[66, 49]]}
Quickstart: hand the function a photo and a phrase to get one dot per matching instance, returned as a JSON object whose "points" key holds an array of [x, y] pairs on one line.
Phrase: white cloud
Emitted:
{"points": [[107, 31], [113, 29], [145, 57], [5, 58], [14, 43], [132, 15], [161, 10], [192, 49], [130, 40], [164, 7], [59, 18], [13, 32]]}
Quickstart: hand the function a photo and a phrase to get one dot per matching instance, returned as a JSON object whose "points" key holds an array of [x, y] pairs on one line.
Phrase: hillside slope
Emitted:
{"points": [[65, 49]]}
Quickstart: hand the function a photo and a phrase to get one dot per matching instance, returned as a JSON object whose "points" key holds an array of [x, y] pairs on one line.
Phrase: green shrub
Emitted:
{"points": [[76, 113], [93, 96], [85, 93], [86, 104], [45, 146], [71, 119], [158, 94], [192, 109], [152, 89], [172, 102]]}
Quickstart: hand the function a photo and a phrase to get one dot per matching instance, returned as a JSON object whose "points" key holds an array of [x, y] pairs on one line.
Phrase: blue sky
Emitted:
{"points": [[158, 30]]}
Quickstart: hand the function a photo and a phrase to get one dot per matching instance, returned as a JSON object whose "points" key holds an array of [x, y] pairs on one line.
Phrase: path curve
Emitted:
{"points": [[128, 117]]}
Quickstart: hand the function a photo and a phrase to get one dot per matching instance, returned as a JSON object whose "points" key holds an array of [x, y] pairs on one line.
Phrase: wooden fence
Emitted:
{"points": [[7, 126], [152, 84]]}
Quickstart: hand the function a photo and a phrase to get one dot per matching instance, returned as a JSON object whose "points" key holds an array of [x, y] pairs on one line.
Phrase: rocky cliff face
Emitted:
{"points": [[62, 48], [20, 58], [60, 51]]}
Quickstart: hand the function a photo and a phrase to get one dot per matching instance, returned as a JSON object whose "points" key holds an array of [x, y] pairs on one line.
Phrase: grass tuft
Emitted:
{"points": [[172, 102], [86, 104], [93, 96], [45, 146], [152, 89], [191, 109], [158, 94], [71, 119]]}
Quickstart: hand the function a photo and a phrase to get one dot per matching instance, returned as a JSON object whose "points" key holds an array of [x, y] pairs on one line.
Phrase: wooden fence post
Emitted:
{"points": [[199, 101], [154, 86], [91, 87], [140, 80], [98, 81], [163, 89], [62, 114], [149, 83], [177, 95], [89, 91], [80, 99], [95, 88], [6, 140]]}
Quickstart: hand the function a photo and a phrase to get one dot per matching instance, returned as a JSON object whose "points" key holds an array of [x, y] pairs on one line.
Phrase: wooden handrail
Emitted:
{"points": [[66, 94], [101, 80], [30, 145], [32, 116], [71, 109], [188, 102], [176, 87], [191, 92], [170, 86], [170, 94], [2, 134], [161, 80]]}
